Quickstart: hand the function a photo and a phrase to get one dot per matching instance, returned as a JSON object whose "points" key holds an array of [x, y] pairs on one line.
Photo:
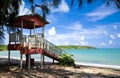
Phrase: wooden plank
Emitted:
{"points": [[14, 46]]}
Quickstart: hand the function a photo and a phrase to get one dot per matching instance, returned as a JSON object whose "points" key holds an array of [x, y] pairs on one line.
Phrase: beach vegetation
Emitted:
{"points": [[67, 60]]}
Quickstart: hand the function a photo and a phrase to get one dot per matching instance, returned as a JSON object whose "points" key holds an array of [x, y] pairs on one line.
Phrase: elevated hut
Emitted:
{"points": [[34, 43]]}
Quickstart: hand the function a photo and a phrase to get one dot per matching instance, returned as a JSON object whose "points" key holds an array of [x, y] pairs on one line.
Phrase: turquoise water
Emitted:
{"points": [[96, 56]]}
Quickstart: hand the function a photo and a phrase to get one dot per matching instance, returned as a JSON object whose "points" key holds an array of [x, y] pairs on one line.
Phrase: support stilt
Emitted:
{"points": [[41, 60], [20, 61], [53, 61], [9, 58], [29, 56]]}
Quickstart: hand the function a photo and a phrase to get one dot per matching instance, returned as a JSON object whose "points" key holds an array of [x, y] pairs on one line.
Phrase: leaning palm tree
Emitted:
{"points": [[9, 10]]}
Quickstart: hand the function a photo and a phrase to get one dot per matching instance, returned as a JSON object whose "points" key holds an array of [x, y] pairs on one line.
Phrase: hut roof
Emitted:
{"points": [[30, 21]]}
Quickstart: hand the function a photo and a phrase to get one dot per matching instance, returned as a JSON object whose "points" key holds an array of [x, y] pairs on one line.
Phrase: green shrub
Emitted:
{"points": [[66, 60]]}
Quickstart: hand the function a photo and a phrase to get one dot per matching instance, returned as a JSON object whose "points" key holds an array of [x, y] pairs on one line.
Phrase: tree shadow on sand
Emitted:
{"points": [[48, 71]]}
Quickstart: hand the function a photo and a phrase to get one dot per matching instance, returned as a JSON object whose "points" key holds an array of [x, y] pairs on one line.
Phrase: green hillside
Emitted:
{"points": [[76, 47], [3, 47]]}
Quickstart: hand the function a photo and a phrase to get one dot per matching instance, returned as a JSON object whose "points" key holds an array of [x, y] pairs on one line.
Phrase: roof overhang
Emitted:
{"points": [[30, 21]]}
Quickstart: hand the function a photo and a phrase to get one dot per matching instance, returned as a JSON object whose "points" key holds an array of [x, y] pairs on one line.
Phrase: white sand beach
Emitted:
{"points": [[55, 71]]}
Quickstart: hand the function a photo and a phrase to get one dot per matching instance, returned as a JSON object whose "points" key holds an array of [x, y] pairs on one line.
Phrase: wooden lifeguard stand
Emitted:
{"points": [[32, 43]]}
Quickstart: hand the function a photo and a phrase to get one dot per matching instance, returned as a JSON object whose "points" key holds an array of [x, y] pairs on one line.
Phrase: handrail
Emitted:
{"points": [[36, 41], [39, 42], [52, 48]]}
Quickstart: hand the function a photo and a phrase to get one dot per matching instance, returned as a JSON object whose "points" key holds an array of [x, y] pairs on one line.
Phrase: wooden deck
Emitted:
{"points": [[27, 51]]}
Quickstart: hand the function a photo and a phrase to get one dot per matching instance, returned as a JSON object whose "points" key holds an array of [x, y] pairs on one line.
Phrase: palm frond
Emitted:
{"points": [[117, 2], [56, 2], [80, 2], [2, 34], [72, 2], [32, 1], [89, 1], [45, 10]]}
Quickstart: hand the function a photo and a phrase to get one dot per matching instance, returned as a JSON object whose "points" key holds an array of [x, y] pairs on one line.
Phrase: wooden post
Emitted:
{"points": [[34, 28], [42, 55], [9, 53], [41, 61], [30, 32], [53, 61], [29, 66], [43, 32], [20, 61], [9, 58], [22, 43]]}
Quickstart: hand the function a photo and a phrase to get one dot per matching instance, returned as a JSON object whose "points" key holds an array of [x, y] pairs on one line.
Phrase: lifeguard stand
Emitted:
{"points": [[32, 43]]}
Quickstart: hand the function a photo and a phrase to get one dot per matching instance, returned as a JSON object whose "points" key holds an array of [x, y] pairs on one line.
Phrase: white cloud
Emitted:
{"points": [[112, 36], [52, 31], [103, 44], [110, 41], [118, 35], [63, 7], [67, 39], [79, 37], [23, 10], [76, 26], [82, 38], [66, 43], [115, 27], [105, 32], [82, 43], [51, 18], [76, 44], [102, 12]]}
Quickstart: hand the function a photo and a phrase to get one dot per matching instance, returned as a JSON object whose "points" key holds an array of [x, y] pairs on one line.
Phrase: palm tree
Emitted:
{"points": [[9, 10], [108, 2], [44, 6]]}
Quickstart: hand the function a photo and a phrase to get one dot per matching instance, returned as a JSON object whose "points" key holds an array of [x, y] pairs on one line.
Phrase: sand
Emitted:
{"points": [[54, 71]]}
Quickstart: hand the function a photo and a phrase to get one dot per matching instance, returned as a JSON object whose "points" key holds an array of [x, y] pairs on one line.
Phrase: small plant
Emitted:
{"points": [[66, 60]]}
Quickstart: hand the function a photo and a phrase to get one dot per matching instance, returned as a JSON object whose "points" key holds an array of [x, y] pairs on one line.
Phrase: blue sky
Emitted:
{"points": [[92, 24]]}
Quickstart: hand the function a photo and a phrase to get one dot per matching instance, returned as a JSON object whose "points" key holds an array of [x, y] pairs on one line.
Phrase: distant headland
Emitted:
{"points": [[75, 47], [4, 47]]}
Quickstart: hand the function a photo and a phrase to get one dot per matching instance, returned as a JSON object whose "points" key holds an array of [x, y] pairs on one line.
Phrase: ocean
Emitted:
{"points": [[97, 56], [91, 56]]}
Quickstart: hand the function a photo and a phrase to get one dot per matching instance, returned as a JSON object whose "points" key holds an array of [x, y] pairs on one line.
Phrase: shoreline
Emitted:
{"points": [[78, 64], [99, 65]]}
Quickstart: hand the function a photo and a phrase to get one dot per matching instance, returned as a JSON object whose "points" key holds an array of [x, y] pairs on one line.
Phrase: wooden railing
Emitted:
{"points": [[52, 48], [38, 42]]}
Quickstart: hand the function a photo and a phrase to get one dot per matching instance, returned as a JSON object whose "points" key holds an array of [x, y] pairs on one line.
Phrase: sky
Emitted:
{"points": [[95, 24]]}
